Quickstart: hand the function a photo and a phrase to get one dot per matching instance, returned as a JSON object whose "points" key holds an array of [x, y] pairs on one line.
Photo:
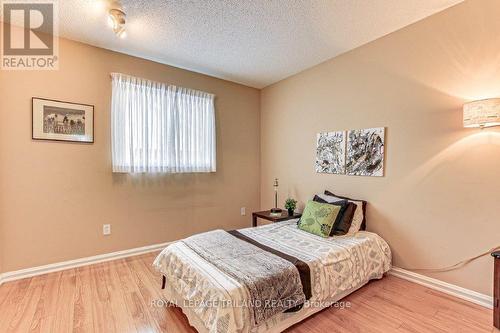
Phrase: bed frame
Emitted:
{"points": [[163, 281]]}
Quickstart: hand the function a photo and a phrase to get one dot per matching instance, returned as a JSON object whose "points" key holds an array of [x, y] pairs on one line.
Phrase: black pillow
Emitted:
{"points": [[344, 218], [363, 224]]}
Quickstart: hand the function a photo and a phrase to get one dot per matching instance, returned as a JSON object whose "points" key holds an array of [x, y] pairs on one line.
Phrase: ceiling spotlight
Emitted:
{"points": [[116, 21], [121, 33]]}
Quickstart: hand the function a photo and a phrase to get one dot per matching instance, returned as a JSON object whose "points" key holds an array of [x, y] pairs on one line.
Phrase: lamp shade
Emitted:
{"points": [[484, 113]]}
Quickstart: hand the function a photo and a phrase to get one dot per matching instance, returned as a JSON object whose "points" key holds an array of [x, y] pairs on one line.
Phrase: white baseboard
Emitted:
{"points": [[447, 288], [60, 266]]}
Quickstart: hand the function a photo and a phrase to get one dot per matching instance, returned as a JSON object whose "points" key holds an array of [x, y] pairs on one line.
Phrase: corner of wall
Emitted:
{"points": [[259, 180]]}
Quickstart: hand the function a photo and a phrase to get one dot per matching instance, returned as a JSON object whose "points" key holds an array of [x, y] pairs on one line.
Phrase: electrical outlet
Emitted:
{"points": [[106, 229], [243, 211]]}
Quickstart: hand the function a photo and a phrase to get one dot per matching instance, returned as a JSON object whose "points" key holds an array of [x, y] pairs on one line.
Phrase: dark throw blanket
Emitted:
{"points": [[276, 282]]}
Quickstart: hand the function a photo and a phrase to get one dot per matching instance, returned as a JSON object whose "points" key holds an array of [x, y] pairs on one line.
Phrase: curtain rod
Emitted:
{"points": [[158, 82]]}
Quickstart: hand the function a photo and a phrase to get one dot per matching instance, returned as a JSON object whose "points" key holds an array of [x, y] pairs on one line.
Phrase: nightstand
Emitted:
{"points": [[266, 215], [496, 290]]}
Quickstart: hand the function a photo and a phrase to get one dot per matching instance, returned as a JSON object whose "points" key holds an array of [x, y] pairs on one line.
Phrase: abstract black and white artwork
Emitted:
{"points": [[330, 152], [365, 152]]}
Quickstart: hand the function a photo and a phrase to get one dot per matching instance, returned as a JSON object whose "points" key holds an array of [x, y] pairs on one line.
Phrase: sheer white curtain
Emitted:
{"points": [[161, 128]]}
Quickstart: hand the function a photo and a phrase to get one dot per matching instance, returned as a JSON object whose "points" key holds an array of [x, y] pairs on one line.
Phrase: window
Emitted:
{"points": [[161, 128]]}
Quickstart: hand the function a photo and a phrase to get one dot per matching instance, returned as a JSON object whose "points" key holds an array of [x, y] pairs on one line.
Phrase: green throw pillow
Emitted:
{"points": [[318, 218]]}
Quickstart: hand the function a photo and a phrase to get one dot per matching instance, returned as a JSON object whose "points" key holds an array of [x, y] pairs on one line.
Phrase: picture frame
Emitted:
{"points": [[366, 152], [330, 152], [55, 120]]}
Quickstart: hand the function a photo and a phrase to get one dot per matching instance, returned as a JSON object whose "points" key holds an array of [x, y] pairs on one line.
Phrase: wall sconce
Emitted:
{"points": [[116, 21], [483, 113]]}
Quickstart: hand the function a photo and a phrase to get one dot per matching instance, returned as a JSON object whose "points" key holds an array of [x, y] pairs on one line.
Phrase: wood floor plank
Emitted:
{"points": [[354, 322], [14, 303], [461, 307], [130, 292], [27, 308], [63, 317], [82, 309], [46, 306], [119, 296], [149, 291], [118, 303], [462, 323], [5, 290], [409, 314], [140, 314], [375, 316], [102, 314]]}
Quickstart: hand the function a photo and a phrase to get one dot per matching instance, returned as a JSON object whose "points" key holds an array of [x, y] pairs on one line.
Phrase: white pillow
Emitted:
{"points": [[357, 219]]}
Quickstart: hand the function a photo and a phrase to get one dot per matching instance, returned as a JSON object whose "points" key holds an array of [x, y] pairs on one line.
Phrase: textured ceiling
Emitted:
{"points": [[254, 42]]}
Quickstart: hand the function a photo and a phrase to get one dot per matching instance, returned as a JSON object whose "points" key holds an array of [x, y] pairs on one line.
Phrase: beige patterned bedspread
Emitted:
{"points": [[338, 264], [272, 282]]}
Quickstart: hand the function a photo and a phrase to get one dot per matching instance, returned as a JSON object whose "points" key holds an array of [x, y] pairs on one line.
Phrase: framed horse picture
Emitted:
{"points": [[62, 121]]}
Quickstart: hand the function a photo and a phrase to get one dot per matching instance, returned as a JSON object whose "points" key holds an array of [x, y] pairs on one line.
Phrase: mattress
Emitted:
{"points": [[216, 303]]}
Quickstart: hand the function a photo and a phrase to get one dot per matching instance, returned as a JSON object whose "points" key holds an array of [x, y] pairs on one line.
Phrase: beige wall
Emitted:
{"points": [[439, 200], [54, 197], [1, 243]]}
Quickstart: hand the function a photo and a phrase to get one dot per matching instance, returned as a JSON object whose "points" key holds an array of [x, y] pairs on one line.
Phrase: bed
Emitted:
{"points": [[214, 301]]}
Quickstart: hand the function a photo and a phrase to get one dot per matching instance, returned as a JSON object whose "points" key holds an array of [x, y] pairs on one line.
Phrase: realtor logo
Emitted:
{"points": [[28, 41]]}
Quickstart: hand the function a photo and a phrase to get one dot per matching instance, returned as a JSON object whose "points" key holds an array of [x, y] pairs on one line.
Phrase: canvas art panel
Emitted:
{"points": [[62, 121], [330, 152], [365, 152]]}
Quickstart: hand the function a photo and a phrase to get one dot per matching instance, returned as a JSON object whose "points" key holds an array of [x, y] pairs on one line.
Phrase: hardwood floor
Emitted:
{"points": [[118, 296]]}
